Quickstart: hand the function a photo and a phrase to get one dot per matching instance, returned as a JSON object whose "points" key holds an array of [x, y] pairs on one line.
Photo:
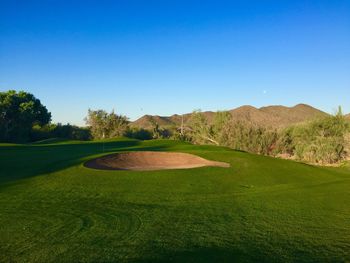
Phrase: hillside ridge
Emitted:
{"points": [[276, 116]]}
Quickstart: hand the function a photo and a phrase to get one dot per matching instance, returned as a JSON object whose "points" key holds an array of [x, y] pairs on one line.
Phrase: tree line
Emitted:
{"points": [[23, 118], [325, 141]]}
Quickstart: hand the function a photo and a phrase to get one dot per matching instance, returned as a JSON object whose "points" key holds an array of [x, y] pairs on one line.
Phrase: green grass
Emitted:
{"points": [[52, 209]]}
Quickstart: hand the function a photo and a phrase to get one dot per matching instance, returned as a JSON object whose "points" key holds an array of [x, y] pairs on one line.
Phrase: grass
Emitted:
{"points": [[52, 209]]}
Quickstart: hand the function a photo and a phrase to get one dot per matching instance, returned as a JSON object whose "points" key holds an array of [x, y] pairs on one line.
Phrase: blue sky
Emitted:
{"points": [[164, 57]]}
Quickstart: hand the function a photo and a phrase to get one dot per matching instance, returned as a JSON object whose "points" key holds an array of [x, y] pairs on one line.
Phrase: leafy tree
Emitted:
{"points": [[97, 121], [220, 129], [106, 125], [19, 112], [200, 130]]}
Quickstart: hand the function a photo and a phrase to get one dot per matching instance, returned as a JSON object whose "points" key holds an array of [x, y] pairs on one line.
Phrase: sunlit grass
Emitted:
{"points": [[260, 209]]}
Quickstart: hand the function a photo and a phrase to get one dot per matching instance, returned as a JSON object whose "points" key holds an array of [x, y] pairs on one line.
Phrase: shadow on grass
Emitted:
{"points": [[25, 161], [204, 255]]}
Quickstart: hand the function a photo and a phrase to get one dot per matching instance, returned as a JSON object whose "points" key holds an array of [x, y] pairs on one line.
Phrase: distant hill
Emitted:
{"points": [[347, 116], [146, 121], [271, 116], [167, 121], [277, 116]]}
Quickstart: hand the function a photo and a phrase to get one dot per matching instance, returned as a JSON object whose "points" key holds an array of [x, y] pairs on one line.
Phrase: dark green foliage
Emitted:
{"points": [[140, 134], [19, 111], [59, 130]]}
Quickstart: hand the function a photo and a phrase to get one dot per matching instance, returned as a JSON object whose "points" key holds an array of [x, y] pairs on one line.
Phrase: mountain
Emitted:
{"points": [[277, 116], [147, 120], [270, 116]]}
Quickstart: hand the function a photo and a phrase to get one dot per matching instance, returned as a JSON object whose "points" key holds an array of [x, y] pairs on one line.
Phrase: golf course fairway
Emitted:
{"points": [[260, 209]]}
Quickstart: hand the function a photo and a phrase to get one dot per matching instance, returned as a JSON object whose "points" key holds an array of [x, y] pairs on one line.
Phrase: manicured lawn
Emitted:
{"points": [[259, 210]]}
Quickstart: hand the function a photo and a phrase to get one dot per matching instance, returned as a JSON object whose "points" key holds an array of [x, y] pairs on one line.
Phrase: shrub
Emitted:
{"points": [[67, 131], [140, 134], [324, 141]]}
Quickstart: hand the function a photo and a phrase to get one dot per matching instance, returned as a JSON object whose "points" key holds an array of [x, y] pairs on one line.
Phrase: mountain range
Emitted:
{"points": [[270, 116]]}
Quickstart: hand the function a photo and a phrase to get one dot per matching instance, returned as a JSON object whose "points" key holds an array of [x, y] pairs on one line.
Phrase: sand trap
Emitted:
{"points": [[150, 161]]}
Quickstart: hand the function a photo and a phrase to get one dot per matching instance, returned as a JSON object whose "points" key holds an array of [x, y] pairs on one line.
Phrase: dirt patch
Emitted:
{"points": [[150, 161]]}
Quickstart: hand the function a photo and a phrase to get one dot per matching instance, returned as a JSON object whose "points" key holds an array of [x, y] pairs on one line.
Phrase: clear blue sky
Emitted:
{"points": [[164, 57]]}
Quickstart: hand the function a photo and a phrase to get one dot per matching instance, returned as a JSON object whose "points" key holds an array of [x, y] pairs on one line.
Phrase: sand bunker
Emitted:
{"points": [[150, 161]]}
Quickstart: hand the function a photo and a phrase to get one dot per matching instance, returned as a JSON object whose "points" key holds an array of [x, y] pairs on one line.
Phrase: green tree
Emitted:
{"points": [[19, 112], [106, 125], [221, 127], [200, 130]]}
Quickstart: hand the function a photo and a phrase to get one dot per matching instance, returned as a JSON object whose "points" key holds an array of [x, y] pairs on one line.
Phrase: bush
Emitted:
{"points": [[67, 131], [324, 141], [140, 134]]}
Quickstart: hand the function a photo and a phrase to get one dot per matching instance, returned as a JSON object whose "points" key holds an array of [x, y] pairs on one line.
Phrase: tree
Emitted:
{"points": [[106, 125], [220, 129], [156, 132], [200, 130], [321, 141], [19, 112]]}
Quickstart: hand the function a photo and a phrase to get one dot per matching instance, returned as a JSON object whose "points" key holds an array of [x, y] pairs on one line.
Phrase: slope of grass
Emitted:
{"points": [[261, 209], [53, 141]]}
